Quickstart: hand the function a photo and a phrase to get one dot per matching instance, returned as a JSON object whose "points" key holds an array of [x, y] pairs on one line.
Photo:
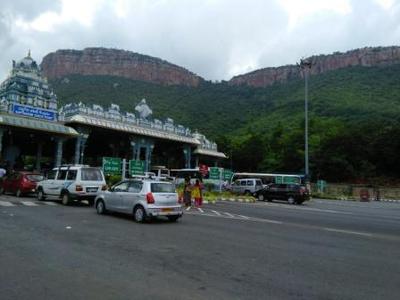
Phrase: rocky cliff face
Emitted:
{"points": [[102, 61], [365, 57]]}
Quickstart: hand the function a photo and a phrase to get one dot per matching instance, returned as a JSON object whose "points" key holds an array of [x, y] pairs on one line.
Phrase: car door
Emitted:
{"points": [[282, 191], [114, 197], [272, 191], [236, 186], [59, 182], [48, 184], [8, 182], [132, 196]]}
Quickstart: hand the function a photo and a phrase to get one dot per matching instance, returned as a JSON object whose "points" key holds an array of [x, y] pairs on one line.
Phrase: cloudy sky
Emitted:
{"points": [[215, 39]]}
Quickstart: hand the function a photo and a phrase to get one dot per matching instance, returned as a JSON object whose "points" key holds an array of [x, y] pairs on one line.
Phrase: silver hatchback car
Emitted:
{"points": [[144, 198]]}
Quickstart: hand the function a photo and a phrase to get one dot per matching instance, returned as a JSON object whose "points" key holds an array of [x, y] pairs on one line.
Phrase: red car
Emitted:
{"points": [[20, 183]]}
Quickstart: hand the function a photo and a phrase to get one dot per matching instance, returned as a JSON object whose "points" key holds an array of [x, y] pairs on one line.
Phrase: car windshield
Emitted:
{"points": [[35, 177], [91, 174], [162, 188]]}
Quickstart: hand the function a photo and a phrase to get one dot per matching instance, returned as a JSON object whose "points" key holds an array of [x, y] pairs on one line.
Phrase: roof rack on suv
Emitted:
{"points": [[72, 165]]}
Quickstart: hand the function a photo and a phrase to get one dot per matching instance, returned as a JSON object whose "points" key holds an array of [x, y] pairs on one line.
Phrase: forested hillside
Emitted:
{"points": [[354, 119]]}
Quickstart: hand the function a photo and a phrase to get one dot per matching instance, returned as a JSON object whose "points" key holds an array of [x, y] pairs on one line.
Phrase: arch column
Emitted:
{"points": [[187, 152], [59, 151], [39, 152], [80, 144], [1, 141]]}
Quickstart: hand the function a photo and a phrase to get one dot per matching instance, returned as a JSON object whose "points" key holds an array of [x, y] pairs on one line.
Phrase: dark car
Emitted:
{"points": [[20, 183], [293, 193]]}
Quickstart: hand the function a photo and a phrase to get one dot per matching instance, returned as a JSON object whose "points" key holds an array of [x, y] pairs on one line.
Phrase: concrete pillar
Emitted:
{"points": [[59, 151], [1, 140], [39, 155], [82, 148], [149, 151], [187, 151], [133, 145], [78, 143], [138, 152]]}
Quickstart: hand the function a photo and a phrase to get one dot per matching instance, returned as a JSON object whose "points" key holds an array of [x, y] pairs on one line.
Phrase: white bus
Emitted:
{"points": [[268, 178]]}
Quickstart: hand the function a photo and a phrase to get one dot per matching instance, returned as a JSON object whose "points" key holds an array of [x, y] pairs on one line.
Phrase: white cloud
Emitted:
{"points": [[216, 39]]}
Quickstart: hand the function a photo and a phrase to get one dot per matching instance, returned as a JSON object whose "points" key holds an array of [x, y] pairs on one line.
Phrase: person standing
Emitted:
{"points": [[197, 193], [187, 193]]}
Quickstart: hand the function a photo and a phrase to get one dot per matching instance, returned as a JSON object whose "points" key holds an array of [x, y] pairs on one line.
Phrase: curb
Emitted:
{"points": [[244, 200]]}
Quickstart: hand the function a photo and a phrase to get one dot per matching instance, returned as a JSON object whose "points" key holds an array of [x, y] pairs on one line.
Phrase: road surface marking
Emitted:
{"points": [[200, 210], [29, 203], [347, 231], [244, 217], [215, 212], [229, 215], [49, 203], [188, 208], [4, 203], [266, 221]]}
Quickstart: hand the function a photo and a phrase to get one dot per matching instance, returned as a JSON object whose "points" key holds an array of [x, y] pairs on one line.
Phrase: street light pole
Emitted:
{"points": [[306, 67]]}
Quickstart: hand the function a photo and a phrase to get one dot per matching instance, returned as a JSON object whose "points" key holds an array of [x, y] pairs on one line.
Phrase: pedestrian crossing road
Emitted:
{"points": [[31, 203]]}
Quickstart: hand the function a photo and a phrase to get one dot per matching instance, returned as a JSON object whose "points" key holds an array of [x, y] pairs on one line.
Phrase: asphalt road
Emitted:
{"points": [[320, 250]]}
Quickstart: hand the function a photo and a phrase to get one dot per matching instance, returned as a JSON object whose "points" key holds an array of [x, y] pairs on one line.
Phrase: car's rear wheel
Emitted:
{"points": [[173, 218], [40, 195], [101, 207], [261, 197], [18, 193], [139, 214], [65, 199], [291, 200]]}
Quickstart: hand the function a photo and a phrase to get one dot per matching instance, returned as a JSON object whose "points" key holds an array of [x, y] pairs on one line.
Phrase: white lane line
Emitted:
{"points": [[4, 203], [244, 217], [347, 231], [200, 210], [188, 208], [266, 221], [29, 203], [49, 203], [232, 217]]}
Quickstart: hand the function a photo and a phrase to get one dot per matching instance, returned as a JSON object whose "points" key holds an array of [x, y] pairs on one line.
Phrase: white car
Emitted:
{"points": [[75, 182], [143, 198]]}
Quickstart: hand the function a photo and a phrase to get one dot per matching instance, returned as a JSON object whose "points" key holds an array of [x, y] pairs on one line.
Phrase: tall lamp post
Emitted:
{"points": [[305, 65]]}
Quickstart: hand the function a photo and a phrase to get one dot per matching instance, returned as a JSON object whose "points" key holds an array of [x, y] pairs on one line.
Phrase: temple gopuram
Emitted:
{"points": [[35, 133]]}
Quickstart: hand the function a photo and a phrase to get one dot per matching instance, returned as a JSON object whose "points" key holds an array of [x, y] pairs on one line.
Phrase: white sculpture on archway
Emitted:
{"points": [[143, 109]]}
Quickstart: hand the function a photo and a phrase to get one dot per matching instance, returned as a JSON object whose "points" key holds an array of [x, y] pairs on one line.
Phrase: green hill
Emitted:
{"points": [[354, 119]]}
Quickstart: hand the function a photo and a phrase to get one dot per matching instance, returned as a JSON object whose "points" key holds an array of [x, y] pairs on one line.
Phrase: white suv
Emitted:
{"points": [[74, 182]]}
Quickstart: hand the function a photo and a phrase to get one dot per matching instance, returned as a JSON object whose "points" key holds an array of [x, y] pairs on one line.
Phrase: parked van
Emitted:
{"points": [[247, 186]]}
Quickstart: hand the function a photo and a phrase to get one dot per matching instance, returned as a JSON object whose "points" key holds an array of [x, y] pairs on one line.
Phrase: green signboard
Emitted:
{"points": [[214, 173], [136, 167], [112, 165], [228, 174]]}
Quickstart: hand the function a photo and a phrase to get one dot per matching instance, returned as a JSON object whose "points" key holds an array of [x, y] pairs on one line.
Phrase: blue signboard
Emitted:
{"points": [[34, 112]]}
